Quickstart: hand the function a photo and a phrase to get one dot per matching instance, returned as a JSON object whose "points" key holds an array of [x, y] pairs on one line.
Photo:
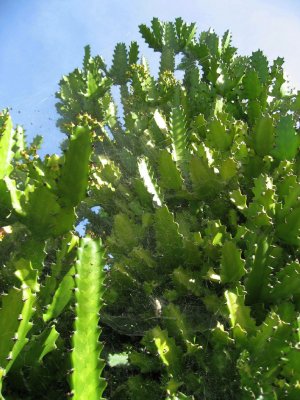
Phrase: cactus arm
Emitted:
{"points": [[232, 264], [37, 348], [86, 380], [6, 144], [170, 356], [15, 195], [10, 311], [62, 296], [42, 345], [120, 64], [170, 177], [169, 241], [27, 274], [17, 309], [178, 135], [150, 181], [239, 313], [288, 283], [57, 270], [44, 215], [169, 353], [74, 176], [28, 300]]}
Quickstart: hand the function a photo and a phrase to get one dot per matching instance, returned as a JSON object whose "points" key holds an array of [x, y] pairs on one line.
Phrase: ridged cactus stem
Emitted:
{"points": [[87, 366], [15, 314]]}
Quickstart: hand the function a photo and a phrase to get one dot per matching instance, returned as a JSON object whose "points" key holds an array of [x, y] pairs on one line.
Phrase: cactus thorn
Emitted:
{"points": [[70, 371], [15, 337]]}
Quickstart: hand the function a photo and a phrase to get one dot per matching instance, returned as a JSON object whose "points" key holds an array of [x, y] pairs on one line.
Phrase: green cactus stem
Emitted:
{"points": [[86, 381], [15, 314]]}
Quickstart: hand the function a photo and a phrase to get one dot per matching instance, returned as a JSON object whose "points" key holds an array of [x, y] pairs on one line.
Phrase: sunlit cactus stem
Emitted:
{"points": [[87, 365]]}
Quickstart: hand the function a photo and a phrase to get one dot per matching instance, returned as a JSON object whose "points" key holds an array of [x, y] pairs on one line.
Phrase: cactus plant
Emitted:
{"points": [[196, 185], [38, 198]]}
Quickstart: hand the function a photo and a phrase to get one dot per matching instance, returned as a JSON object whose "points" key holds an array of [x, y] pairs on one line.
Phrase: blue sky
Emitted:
{"points": [[43, 39]]}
